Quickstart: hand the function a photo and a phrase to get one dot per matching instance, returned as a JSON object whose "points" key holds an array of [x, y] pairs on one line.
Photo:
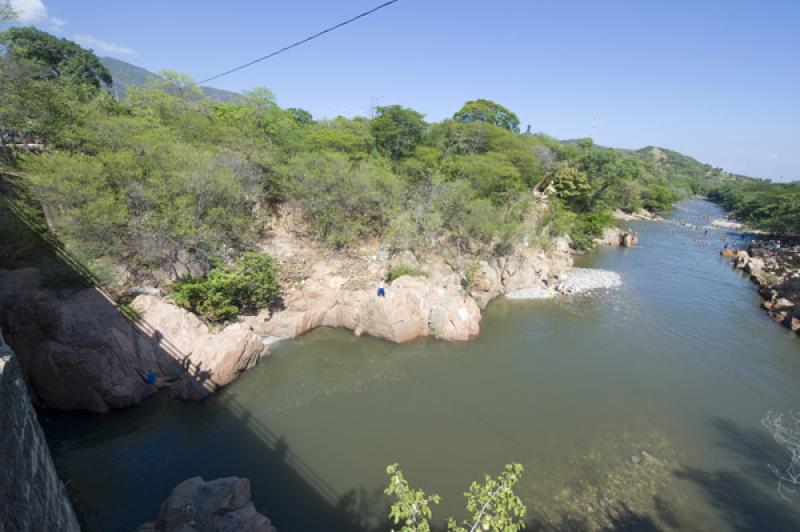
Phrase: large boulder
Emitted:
{"points": [[76, 350], [79, 352], [742, 259], [221, 505], [432, 305], [212, 359], [629, 239], [754, 265], [612, 236]]}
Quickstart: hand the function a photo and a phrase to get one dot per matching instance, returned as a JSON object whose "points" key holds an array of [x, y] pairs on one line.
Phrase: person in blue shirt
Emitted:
{"points": [[381, 289]]}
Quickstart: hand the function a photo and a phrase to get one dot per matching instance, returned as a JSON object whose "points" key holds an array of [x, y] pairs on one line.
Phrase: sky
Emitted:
{"points": [[717, 80]]}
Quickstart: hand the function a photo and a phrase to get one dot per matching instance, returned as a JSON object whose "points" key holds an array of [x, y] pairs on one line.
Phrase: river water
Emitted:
{"points": [[633, 408]]}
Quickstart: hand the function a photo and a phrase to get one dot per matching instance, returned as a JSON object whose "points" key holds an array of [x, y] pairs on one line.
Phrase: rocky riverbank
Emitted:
{"points": [[774, 265], [442, 299], [80, 351], [639, 214]]}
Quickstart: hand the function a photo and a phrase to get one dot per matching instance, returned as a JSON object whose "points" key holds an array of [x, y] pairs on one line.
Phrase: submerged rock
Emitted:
{"points": [[221, 505]]}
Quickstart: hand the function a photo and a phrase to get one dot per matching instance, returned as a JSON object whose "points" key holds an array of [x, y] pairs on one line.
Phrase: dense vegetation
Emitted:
{"points": [[249, 285], [167, 180], [773, 207]]}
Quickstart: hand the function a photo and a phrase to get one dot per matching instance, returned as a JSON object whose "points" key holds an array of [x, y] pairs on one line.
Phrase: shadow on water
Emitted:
{"points": [[285, 487], [293, 494], [619, 519], [745, 498]]}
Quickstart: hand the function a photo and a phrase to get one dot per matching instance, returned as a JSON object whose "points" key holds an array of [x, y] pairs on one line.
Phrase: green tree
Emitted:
{"points": [[342, 200], [571, 185], [178, 84], [224, 292], [350, 136], [301, 116], [492, 505], [7, 14], [60, 56], [489, 112], [397, 130], [491, 174]]}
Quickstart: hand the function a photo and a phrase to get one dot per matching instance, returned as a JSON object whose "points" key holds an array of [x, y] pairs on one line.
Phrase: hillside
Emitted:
{"points": [[129, 75], [683, 167]]}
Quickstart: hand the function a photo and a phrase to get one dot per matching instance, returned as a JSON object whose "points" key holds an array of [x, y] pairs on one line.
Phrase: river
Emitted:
{"points": [[633, 408]]}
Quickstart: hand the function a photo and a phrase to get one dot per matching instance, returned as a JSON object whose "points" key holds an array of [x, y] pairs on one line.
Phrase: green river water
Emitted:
{"points": [[636, 408]]}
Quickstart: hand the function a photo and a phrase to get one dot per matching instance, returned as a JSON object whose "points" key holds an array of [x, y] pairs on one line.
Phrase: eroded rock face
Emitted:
{"points": [[221, 505], [78, 352], [413, 307], [212, 359], [441, 303], [75, 349]]}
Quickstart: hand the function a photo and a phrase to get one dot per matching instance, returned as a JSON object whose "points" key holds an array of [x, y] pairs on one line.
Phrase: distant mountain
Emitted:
{"points": [[128, 75]]}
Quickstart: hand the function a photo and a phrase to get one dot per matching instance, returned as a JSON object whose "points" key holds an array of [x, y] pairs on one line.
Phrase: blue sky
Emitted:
{"points": [[717, 80]]}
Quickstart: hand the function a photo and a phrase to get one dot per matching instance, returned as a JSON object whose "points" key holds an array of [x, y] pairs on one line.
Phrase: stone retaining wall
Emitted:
{"points": [[31, 495]]}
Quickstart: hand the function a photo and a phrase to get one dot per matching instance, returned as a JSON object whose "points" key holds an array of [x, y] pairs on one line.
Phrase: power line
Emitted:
{"points": [[298, 43]]}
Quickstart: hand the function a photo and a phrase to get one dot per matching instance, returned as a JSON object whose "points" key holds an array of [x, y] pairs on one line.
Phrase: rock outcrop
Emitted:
{"points": [[79, 352], [773, 265], [615, 236], [638, 214], [413, 307], [442, 302], [212, 359], [221, 505]]}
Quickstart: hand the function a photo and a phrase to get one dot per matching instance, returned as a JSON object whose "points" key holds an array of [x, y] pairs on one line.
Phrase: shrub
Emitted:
{"points": [[492, 505], [589, 226], [226, 291], [583, 227], [404, 269], [342, 201]]}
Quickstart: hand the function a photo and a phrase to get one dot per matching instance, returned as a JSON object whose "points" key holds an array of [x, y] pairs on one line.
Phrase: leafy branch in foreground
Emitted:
{"points": [[493, 504], [786, 432]]}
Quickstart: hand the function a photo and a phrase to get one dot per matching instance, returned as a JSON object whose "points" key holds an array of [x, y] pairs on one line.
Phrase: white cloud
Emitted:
{"points": [[56, 23], [772, 157], [35, 12], [99, 45], [30, 11]]}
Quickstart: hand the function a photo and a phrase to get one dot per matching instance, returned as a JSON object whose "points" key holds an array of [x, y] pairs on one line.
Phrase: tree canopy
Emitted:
{"points": [[7, 13], [488, 112], [60, 56], [397, 130]]}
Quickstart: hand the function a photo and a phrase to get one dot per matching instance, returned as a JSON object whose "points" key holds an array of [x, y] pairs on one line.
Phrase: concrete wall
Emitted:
{"points": [[32, 497]]}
